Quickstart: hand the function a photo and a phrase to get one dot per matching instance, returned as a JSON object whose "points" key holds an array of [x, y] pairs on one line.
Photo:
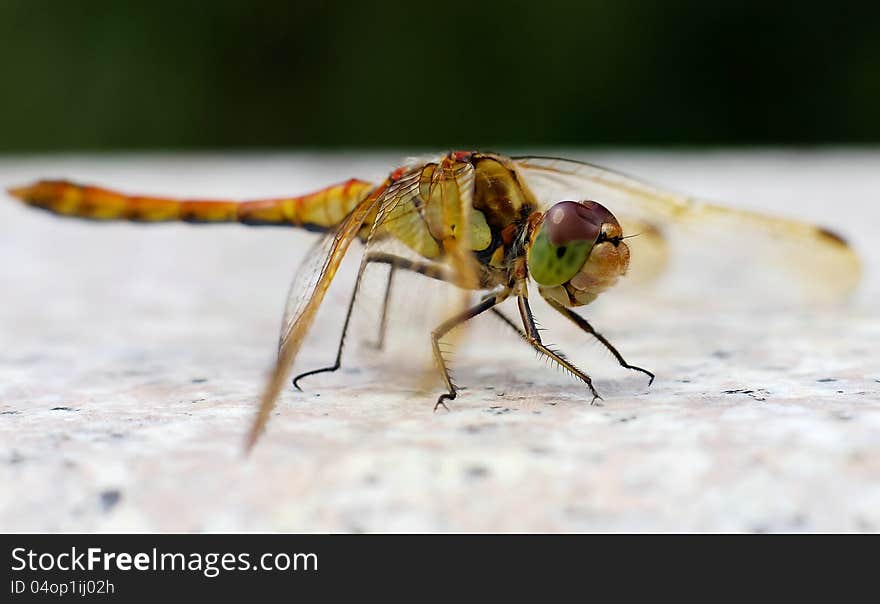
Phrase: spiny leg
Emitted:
{"points": [[423, 268], [585, 325], [532, 336], [447, 326]]}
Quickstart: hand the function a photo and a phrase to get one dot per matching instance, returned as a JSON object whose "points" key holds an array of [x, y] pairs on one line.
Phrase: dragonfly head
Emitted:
{"points": [[576, 252]]}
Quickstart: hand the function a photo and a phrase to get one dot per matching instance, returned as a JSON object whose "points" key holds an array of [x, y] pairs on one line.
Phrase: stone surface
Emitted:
{"points": [[131, 357]]}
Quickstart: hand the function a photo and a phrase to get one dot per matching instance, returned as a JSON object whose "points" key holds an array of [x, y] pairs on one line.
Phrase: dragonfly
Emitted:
{"points": [[491, 226]]}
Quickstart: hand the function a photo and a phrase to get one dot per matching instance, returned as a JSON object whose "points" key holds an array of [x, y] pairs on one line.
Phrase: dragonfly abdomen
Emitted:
{"points": [[321, 210]]}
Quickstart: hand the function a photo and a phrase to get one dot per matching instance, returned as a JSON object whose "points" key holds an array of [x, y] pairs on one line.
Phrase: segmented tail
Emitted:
{"points": [[320, 210]]}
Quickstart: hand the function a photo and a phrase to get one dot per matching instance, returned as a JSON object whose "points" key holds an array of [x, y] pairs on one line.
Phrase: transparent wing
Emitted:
{"points": [[753, 252], [453, 188], [401, 318], [429, 203], [649, 248], [306, 280], [438, 196], [310, 284]]}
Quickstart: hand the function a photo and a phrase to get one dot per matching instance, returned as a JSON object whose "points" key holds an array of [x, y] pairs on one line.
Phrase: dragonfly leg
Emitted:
{"points": [[509, 322], [441, 330], [533, 337], [585, 325], [395, 262], [338, 363], [383, 321]]}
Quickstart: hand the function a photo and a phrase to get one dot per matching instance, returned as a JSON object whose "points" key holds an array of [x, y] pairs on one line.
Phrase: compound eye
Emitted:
{"points": [[564, 240], [552, 265], [576, 221], [561, 245]]}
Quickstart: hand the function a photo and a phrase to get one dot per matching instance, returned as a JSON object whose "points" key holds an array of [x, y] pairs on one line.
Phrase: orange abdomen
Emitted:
{"points": [[321, 210]]}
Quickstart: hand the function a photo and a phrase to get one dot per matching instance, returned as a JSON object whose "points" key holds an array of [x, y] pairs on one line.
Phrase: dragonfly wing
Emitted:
{"points": [[824, 266], [309, 287], [649, 249], [424, 220], [429, 210], [304, 284], [453, 189]]}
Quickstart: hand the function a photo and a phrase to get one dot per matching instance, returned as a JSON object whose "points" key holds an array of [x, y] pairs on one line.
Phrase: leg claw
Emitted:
{"points": [[645, 371], [441, 402]]}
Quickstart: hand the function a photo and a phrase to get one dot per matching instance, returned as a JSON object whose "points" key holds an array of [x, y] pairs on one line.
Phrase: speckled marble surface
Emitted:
{"points": [[131, 357]]}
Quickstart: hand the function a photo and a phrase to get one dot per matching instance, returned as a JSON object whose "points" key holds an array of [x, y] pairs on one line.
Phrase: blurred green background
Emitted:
{"points": [[141, 75]]}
